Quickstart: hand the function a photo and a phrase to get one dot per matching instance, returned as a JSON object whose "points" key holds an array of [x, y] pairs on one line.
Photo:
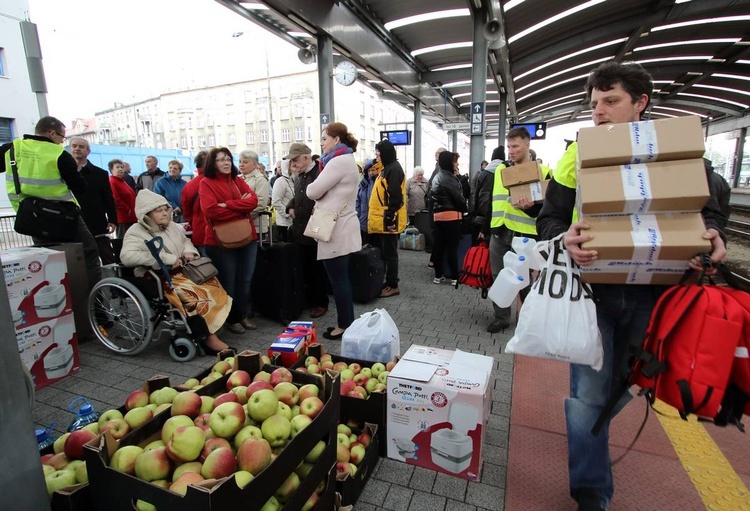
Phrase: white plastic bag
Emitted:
{"points": [[373, 337], [558, 317]]}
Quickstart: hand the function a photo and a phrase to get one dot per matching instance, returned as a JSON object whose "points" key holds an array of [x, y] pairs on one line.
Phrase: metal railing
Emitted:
{"points": [[9, 238]]}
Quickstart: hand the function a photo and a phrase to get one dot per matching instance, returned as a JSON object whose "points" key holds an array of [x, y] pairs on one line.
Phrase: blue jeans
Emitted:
{"points": [[338, 272], [623, 313], [236, 267]]}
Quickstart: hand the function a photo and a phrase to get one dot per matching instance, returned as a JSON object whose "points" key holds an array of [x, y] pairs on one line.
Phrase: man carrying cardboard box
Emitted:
{"points": [[510, 217], [619, 93]]}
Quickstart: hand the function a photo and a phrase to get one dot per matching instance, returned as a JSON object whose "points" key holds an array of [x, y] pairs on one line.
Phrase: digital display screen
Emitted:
{"points": [[538, 131], [397, 137]]}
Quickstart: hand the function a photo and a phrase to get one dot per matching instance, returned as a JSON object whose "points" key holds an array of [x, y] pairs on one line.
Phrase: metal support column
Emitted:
{"points": [[325, 77], [478, 91], [503, 120], [417, 135], [738, 153], [454, 141], [33, 51]]}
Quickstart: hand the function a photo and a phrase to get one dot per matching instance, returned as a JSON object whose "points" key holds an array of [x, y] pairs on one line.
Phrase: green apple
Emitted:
{"points": [[154, 445], [298, 423], [286, 392], [48, 470], [171, 424], [59, 445], [59, 479], [242, 477], [377, 368], [186, 444], [108, 416], [303, 469], [356, 453], [342, 452], [254, 455], [117, 428], [383, 377], [153, 465], [315, 453], [308, 390], [227, 419], [138, 416], [271, 505], [287, 488], [343, 428], [82, 474], [123, 460], [311, 502], [142, 505], [343, 438], [311, 407], [190, 466], [370, 385], [222, 367], [180, 486], [245, 433], [276, 429], [190, 383], [207, 404], [346, 374], [262, 404], [262, 376], [160, 408], [187, 403], [284, 410], [366, 371], [73, 465], [93, 427]]}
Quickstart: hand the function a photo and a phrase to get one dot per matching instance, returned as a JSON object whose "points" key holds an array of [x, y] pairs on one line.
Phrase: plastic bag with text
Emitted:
{"points": [[558, 318], [373, 337]]}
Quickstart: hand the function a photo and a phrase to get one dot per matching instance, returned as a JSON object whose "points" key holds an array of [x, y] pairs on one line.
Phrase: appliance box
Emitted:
{"points": [[49, 350], [677, 138], [437, 410]]}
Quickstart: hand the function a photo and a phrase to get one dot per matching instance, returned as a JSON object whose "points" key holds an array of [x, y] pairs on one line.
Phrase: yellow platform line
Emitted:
{"points": [[718, 485]]}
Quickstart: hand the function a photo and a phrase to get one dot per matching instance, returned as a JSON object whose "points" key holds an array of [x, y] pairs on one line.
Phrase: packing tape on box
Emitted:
{"points": [[646, 238], [636, 187], [643, 142], [638, 272]]}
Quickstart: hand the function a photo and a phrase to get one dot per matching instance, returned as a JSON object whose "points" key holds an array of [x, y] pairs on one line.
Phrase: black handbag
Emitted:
{"points": [[43, 218]]}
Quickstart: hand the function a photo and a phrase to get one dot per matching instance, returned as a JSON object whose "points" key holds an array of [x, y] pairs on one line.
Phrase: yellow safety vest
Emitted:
{"points": [[38, 174], [379, 205], [503, 212], [565, 174]]}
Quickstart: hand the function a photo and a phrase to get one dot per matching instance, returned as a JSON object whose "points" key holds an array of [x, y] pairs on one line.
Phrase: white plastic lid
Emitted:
{"points": [[463, 416], [55, 271], [64, 333]]}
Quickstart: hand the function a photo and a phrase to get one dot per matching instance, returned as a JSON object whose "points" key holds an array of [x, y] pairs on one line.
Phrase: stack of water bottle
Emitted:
{"points": [[516, 272]]}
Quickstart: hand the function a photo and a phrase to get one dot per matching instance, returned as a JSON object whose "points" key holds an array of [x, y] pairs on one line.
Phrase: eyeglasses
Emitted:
{"points": [[224, 159], [60, 135]]}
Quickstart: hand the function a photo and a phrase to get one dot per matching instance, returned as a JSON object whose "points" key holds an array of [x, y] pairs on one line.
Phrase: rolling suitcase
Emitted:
{"points": [[366, 273], [423, 223], [278, 288]]}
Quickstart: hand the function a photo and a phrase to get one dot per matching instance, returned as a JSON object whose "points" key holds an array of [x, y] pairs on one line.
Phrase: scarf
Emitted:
{"points": [[340, 149]]}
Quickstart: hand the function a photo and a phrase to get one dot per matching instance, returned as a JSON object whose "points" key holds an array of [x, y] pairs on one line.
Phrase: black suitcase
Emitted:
{"points": [[422, 222], [366, 273], [278, 288]]}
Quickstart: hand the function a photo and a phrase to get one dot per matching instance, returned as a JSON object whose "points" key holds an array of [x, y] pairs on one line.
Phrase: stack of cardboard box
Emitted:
{"points": [[526, 180], [641, 187]]}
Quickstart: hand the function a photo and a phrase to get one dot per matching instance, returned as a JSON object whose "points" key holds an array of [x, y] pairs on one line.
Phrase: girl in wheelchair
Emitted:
{"points": [[206, 305]]}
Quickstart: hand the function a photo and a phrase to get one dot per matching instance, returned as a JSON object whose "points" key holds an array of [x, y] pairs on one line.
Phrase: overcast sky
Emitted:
{"points": [[97, 52]]}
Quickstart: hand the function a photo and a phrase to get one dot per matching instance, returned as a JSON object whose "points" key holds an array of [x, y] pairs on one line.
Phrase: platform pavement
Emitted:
{"points": [[426, 313]]}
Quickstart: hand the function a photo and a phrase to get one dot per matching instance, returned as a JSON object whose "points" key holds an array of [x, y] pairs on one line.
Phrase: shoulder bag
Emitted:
{"points": [[42, 218], [200, 270], [234, 233], [321, 224]]}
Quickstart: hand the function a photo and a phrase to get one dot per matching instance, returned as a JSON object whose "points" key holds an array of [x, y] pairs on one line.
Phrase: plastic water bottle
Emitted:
{"points": [[44, 437], [518, 262], [84, 411], [506, 287]]}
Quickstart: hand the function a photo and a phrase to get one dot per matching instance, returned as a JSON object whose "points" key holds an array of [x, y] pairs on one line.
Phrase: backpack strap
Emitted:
{"points": [[14, 168]]}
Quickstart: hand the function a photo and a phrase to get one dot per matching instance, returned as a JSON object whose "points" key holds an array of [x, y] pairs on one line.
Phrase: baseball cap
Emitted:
{"points": [[297, 149]]}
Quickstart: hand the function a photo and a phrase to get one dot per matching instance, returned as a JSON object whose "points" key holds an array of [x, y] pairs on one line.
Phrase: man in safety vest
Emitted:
{"points": [[510, 219], [47, 171], [618, 93]]}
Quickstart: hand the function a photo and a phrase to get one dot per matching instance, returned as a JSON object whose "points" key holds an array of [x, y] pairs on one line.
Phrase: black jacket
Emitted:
{"points": [[480, 200], [148, 180], [720, 189], [446, 193], [393, 174], [97, 204], [303, 207]]}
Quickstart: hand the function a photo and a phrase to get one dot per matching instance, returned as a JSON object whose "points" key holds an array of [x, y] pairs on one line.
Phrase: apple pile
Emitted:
{"points": [[239, 432], [356, 381], [66, 466], [350, 450]]}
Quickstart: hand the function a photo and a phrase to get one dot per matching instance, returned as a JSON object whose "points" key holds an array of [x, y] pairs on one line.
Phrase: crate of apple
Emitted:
{"points": [[206, 441], [356, 457], [357, 380]]}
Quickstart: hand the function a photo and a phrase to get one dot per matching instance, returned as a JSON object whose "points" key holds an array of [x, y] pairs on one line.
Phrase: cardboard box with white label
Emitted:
{"points": [[437, 410], [49, 350]]}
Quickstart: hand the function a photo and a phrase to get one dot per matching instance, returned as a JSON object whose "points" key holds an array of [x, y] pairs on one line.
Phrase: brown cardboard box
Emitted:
{"points": [[678, 186], [643, 249], [523, 173], [677, 138], [533, 191]]}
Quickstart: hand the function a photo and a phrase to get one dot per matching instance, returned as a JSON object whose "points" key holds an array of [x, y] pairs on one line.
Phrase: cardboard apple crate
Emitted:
{"points": [[370, 410], [115, 491], [351, 487], [73, 498]]}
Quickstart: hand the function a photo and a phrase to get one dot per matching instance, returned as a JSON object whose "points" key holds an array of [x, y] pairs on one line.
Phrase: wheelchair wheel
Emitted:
{"points": [[182, 350], [120, 316]]}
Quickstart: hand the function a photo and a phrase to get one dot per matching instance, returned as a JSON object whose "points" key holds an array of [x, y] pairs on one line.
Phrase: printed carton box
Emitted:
{"points": [[677, 138], [532, 191], [643, 249], [676, 186], [437, 410], [37, 283], [49, 350], [520, 174]]}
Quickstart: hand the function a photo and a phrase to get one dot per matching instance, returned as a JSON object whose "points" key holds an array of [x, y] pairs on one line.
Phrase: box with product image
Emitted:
{"points": [[677, 138], [437, 410], [37, 283], [670, 186], [532, 191], [521, 174], [49, 350], [291, 343], [643, 249]]}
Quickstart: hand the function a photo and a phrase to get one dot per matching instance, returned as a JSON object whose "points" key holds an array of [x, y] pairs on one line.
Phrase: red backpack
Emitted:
{"points": [[476, 271]]}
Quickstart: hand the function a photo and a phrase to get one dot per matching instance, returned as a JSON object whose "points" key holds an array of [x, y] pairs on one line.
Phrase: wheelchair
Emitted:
{"points": [[125, 311]]}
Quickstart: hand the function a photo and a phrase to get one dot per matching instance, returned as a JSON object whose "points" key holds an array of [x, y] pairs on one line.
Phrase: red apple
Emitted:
{"points": [[347, 386], [58, 461], [356, 453], [360, 379], [326, 364], [152, 465], [309, 390], [211, 445], [191, 466], [202, 421], [311, 407], [342, 467], [355, 395], [117, 428], [220, 463], [286, 392], [256, 386], [326, 356], [238, 379], [340, 366], [181, 484], [187, 403], [227, 419], [227, 397], [74, 443], [355, 367], [123, 460], [136, 399], [279, 375], [262, 376], [44, 459], [390, 365], [364, 439], [254, 455]]}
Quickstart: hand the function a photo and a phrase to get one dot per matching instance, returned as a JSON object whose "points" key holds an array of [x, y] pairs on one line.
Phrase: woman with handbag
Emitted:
{"points": [[206, 305], [448, 206], [124, 197], [335, 193], [230, 238]]}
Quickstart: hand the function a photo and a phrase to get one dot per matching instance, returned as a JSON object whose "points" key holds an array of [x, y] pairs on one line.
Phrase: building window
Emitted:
{"points": [[361, 132], [202, 141], [6, 130], [262, 114], [372, 111], [232, 139], [183, 142], [200, 121], [211, 140], [249, 116], [299, 133], [285, 135], [309, 133], [362, 110], [263, 136], [190, 122], [171, 125], [284, 112], [175, 143], [250, 138], [209, 120], [2, 61], [192, 141], [299, 110]]}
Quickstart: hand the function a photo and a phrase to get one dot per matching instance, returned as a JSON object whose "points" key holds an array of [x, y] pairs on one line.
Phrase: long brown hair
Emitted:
{"points": [[339, 129]]}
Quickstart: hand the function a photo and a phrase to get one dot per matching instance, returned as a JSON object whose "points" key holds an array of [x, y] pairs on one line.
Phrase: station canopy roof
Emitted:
{"points": [[540, 52]]}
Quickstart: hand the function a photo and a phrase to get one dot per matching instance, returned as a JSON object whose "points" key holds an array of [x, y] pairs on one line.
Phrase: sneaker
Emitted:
{"points": [[247, 324], [497, 325], [438, 280], [389, 291], [235, 328], [454, 282]]}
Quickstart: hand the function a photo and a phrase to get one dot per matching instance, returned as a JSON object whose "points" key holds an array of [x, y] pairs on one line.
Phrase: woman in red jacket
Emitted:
{"points": [[124, 197], [225, 197]]}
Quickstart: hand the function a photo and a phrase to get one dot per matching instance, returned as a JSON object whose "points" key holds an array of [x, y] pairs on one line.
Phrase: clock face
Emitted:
{"points": [[346, 73]]}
